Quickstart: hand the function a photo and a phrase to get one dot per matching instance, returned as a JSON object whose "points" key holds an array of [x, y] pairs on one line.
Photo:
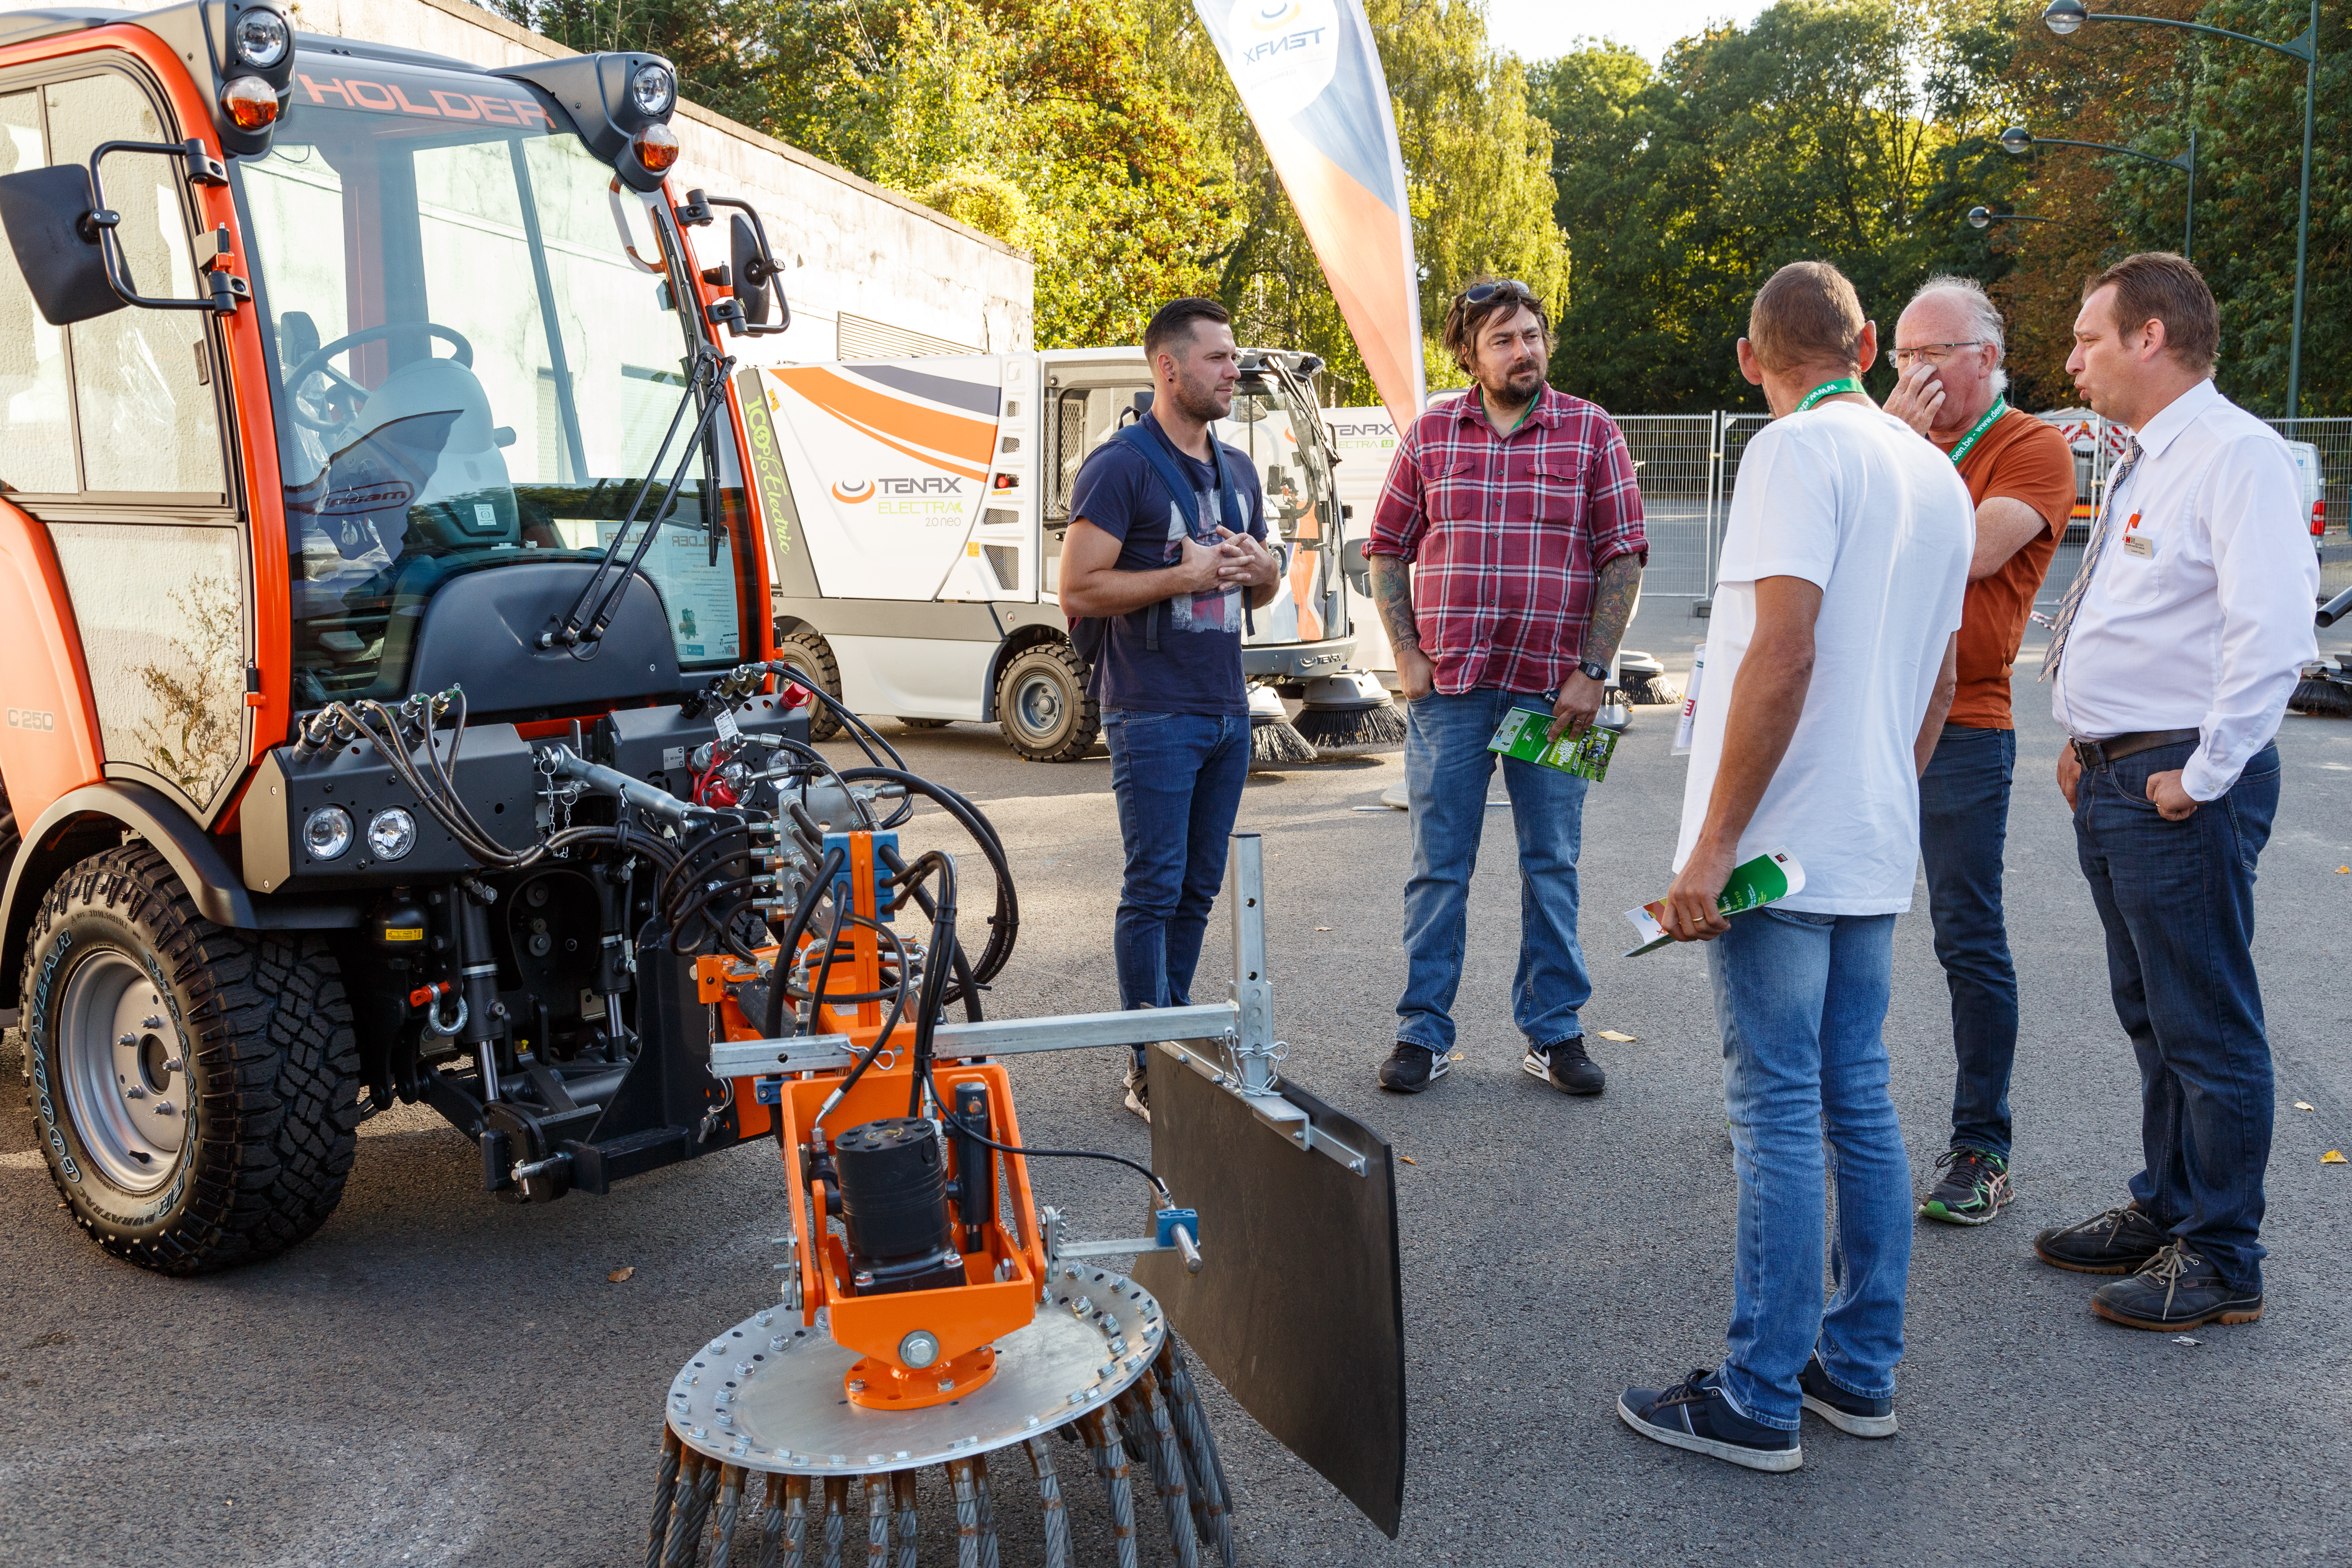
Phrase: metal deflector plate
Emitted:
{"points": [[1300, 1308], [767, 1394]]}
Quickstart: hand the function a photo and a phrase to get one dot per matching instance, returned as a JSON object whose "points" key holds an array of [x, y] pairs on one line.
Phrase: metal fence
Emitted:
{"points": [[1687, 465]]}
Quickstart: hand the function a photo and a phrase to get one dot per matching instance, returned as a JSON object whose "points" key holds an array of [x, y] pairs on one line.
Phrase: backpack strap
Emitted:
{"points": [[1154, 447]]}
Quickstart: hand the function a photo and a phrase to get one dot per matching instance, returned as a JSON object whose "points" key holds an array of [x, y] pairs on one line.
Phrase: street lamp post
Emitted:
{"points": [[2018, 140], [2064, 16]]}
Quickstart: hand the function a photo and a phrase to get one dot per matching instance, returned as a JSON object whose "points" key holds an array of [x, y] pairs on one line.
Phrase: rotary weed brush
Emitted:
{"points": [[945, 1359]]}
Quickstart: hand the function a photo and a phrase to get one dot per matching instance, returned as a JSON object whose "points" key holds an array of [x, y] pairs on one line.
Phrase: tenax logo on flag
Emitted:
{"points": [[1288, 47]]}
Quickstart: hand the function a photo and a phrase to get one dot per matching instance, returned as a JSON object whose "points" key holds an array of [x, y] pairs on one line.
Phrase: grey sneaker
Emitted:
{"points": [[1975, 1185]]}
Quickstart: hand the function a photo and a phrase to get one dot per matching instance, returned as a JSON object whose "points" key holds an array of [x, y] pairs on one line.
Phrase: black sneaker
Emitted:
{"points": [[1138, 1087], [2178, 1289], [1411, 1068], [1695, 1415], [2120, 1241], [1846, 1411], [1974, 1187], [1565, 1066]]}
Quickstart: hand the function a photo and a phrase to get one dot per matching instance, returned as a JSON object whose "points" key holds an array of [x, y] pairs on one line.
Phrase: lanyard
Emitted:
{"points": [[2000, 407], [1837, 388], [1522, 419]]}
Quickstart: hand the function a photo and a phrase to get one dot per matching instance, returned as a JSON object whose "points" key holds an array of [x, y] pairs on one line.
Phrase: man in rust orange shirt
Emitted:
{"points": [[2021, 475]]}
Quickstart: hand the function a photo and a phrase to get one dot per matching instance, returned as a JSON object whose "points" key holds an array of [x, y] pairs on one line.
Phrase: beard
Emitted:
{"points": [[1521, 383], [1202, 400]]}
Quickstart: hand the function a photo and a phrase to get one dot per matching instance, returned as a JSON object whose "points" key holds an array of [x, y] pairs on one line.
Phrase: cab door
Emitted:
{"points": [[127, 556]]}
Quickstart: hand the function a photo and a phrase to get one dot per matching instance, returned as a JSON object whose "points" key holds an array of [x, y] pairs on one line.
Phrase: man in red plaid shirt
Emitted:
{"points": [[1518, 504]]}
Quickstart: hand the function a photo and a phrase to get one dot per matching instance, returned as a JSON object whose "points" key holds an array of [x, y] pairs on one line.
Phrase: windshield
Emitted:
{"points": [[1277, 425], [476, 360]]}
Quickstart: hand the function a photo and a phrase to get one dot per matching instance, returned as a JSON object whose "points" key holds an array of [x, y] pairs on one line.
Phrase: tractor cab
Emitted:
{"points": [[479, 340], [476, 362]]}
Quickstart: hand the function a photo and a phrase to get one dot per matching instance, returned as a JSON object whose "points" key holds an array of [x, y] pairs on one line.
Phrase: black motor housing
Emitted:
{"points": [[893, 1200]]}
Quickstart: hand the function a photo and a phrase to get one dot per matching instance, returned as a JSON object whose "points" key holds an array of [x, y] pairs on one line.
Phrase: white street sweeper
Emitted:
{"points": [[916, 510]]}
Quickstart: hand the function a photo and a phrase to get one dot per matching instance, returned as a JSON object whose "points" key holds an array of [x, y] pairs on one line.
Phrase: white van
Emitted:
{"points": [[915, 512]]}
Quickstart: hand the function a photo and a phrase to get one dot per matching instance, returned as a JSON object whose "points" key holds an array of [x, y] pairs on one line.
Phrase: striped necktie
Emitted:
{"points": [[2081, 583]]}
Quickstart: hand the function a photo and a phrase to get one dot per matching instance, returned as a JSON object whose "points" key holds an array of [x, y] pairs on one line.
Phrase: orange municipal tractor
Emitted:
{"points": [[393, 716]]}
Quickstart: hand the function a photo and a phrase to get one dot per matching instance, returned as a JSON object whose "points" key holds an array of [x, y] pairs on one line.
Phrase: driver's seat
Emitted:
{"points": [[466, 497]]}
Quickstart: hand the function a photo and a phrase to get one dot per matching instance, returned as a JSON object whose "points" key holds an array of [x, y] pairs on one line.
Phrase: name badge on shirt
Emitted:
{"points": [[2134, 541]]}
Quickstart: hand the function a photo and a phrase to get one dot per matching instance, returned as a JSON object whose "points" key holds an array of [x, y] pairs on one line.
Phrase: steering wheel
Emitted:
{"points": [[316, 364]]}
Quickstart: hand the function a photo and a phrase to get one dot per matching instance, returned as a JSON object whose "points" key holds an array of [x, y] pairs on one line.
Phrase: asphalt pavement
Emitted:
{"points": [[438, 1378]]}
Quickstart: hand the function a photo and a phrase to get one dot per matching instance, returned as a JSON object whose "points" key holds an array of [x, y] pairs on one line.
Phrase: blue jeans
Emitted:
{"points": [[1178, 780], [1446, 766], [2178, 901], [1800, 1000], [1963, 824]]}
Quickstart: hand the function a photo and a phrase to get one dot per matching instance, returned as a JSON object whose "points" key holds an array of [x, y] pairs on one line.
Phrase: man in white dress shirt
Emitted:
{"points": [[2170, 667]]}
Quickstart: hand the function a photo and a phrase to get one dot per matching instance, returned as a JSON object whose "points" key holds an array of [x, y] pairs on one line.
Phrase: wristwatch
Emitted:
{"points": [[1592, 671]]}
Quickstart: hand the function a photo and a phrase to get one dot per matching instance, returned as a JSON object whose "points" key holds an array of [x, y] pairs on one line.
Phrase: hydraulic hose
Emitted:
{"points": [[1005, 924]]}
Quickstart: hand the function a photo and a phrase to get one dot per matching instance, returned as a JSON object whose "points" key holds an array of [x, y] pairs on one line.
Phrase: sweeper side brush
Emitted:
{"points": [[1350, 713], [939, 1333]]}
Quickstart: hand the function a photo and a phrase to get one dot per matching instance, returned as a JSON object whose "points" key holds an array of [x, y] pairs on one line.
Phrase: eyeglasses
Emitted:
{"points": [[1934, 353], [1479, 293]]}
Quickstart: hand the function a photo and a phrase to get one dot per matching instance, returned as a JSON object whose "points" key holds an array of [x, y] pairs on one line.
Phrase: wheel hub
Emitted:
{"points": [[1039, 705], [125, 1072]]}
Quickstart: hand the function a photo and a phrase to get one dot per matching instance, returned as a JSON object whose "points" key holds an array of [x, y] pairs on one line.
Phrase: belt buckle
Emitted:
{"points": [[2089, 753]]}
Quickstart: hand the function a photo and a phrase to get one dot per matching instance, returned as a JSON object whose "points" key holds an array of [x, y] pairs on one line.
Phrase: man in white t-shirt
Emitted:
{"points": [[1833, 652]]}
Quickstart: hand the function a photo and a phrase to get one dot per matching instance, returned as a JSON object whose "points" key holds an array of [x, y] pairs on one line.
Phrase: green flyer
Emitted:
{"points": [[1767, 880], [1524, 735]]}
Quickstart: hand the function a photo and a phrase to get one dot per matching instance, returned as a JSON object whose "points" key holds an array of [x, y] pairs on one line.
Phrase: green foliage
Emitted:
{"points": [[1856, 131], [1476, 175], [2247, 105]]}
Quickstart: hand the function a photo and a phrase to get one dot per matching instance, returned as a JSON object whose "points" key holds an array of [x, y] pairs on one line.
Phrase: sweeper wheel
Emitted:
{"points": [[748, 1471]]}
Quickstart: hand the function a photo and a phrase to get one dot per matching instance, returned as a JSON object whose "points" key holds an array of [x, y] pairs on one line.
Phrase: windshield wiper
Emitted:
{"points": [[709, 381]]}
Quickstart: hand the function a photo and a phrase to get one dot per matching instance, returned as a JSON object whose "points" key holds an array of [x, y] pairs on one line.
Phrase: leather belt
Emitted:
{"points": [[2115, 748]]}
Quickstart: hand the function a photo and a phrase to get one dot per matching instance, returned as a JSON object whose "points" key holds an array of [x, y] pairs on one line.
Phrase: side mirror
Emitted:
{"points": [[752, 268], [64, 236], [43, 211], [1355, 567]]}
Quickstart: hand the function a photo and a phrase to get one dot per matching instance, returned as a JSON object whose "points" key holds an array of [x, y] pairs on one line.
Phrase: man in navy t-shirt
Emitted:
{"points": [[1170, 577]]}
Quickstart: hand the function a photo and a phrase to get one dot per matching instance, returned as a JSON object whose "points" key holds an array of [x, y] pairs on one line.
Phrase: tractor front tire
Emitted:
{"points": [[1043, 706], [814, 665], [196, 1088]]}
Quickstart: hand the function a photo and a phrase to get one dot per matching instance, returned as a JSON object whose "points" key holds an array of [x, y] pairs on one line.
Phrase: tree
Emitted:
{"points": [[2144, 87], [1848, 130], [1475, 158]]}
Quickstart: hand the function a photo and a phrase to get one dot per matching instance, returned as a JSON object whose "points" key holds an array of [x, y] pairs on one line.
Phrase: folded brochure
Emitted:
{"points": [[1767, 880], [1525, 735]]}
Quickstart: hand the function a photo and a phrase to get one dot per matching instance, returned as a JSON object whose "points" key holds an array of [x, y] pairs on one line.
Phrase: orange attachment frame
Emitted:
{"points": [[1003, 1276]]}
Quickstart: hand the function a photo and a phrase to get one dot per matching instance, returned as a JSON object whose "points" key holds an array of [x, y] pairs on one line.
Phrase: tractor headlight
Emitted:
{"points": [[327, 832], [653, 90], [390, 833], [261, 38]]}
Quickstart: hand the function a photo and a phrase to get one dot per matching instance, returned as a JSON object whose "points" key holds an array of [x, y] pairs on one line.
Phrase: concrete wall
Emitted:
{"points": [[847, 245]]}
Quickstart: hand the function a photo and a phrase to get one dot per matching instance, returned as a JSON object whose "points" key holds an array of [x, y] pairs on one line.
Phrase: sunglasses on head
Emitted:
{"points": [[1479, 293]]}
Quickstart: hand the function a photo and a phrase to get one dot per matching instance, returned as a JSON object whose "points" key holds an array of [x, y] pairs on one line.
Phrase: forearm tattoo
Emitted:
{"points": [[1391, 585], [1612, 605]]}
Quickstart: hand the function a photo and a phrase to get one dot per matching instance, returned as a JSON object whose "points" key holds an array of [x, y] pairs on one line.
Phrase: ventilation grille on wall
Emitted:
{"points": [[862, 338]]}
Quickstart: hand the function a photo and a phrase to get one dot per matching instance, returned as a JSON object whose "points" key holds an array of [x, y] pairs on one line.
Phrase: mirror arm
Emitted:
{"points": [[98, 226]]}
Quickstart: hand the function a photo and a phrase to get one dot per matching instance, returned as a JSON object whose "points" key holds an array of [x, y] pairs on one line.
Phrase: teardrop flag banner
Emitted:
{"points": [[1309, 72]]}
